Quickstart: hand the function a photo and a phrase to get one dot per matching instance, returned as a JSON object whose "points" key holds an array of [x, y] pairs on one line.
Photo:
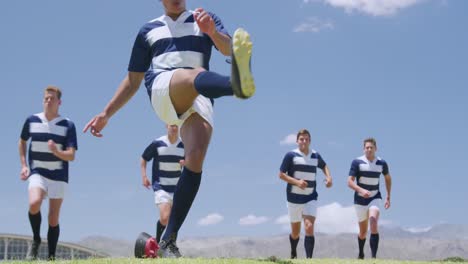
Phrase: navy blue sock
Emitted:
{"points": [[309, 243], [361, 243], [184, 194], [293, 243], [35, 221], [212, 84], [374, 244], [52, 239]]}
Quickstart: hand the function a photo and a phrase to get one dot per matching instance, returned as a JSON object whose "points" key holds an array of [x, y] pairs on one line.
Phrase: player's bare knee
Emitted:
{"points": [[309, 230], [35, 205], [295, 235]]}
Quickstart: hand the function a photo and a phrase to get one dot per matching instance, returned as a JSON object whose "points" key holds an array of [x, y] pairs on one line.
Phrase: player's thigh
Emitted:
{"points": [[182, 90]]}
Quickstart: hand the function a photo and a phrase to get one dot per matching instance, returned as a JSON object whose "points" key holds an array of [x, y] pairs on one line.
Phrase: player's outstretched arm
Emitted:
{"points": [[126, 90]]}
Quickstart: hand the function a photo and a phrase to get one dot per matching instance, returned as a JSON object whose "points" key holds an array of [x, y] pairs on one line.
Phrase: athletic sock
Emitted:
{"points": [[293, 243], [185, 193], [309, 243], [52, 239], [361, 243], [374, 244], [212, 84], [35, 221]]}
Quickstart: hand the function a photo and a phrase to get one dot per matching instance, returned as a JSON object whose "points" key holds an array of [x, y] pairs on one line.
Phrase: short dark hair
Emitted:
{"points": [[302, 132], [55, 89], [370, 140]]}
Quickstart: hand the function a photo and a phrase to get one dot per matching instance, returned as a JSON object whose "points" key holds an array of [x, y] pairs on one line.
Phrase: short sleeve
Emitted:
{"points": [[25, 131], [140, 59], [150, 152], [287, 162], [71, 140], [321, 163], [354, 170], [385, 170]]}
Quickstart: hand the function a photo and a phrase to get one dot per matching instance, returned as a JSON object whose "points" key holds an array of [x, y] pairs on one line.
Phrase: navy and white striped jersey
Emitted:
{"points": [[367, 175], [296, 164], [164, 44], [41, 160], [166, 166]]}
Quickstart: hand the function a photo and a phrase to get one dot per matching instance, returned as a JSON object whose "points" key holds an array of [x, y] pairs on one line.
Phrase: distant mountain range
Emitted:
{"points": [[435, 243]]}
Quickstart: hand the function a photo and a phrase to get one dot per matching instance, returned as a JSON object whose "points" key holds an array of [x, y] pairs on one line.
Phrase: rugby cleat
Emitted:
{"points": [[168, 249], [34, 251], [242, 80]]}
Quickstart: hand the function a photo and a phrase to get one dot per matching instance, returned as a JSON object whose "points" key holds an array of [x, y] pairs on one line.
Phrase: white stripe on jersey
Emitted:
{"points": [[49, 165], [372, 193], [369, 181], [48, 128], [178, 59], [169, 166], [182, 30], [308, 176], [168, 181], [370, 167], [39, 146], [305, 161], [306, 191], [173, 151]]}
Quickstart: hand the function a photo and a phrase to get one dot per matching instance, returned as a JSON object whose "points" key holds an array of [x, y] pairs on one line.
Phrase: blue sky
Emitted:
{"points": [[345, 70]]}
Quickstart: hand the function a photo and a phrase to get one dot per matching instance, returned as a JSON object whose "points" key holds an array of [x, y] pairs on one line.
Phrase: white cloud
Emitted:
{"points": [[418, 229], [334, 218], [313, 24], [253, 220], [289, 140], [282, 220], [370, 7], [211, 219]]}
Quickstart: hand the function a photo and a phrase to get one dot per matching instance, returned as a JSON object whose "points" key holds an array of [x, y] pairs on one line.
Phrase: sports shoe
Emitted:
{"points": [[242, 81], [168, 249], [361, 256], [293, 255], [34, 251]]}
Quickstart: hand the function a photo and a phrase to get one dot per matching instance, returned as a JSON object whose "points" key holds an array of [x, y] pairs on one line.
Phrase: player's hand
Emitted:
{"points": [[328, 182], [52, 146], [205, 21], [387, 203], [96, 125], [301, 184], [182, 163], [24, 173], [146, 182], [365, 193]]}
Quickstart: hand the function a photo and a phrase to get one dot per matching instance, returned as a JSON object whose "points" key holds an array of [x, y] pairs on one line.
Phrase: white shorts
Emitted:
{"points": [[53, 189], [161, 196], [162, 104], [362, 211], [297, 211]]}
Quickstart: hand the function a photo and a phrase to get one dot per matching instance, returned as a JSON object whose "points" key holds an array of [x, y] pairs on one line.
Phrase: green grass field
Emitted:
{"points": [[235, 261]]}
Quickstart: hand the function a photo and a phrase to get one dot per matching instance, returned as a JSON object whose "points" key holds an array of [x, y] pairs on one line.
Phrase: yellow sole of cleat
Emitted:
{"points": [[242, 47]]}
